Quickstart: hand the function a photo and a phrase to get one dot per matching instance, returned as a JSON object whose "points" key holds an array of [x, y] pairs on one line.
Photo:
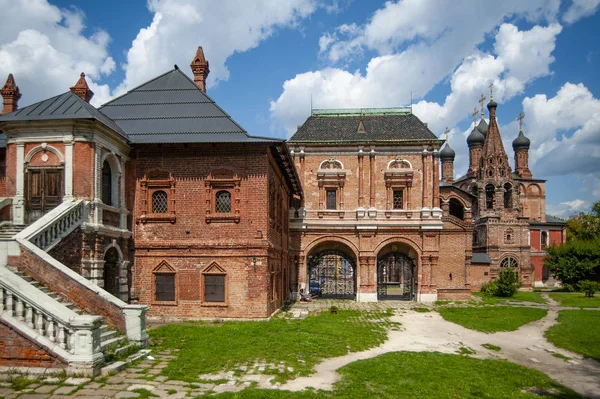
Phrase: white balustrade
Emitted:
{"points": [[59, 227]]}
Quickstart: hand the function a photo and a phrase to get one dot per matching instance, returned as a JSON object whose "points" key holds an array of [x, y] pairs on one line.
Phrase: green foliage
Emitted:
{"points": [[490, 288], [144, 393], [575, 331], [492, 319], [492, 347], [19, 382], [422, 310], [300, 344], [574, 261], [585, 226], [426, 375], [508, 283], [588, 287]]}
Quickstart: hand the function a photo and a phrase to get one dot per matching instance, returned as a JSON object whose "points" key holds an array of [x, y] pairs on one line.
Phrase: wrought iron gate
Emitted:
{"points": [[395, 277], [331, 274]]}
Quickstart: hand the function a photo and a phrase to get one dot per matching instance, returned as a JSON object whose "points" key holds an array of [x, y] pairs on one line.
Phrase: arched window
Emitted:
{"points": [[509, 263], [159, 202], [544, 240], [223, 202], [490, 192], [508, 191], [106, 184], [456, 209]]}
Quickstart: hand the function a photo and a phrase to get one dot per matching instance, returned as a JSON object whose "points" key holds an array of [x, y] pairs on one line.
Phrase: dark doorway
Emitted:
{"points": [[332, 274], [111, 272], [395, 277], [43, 191]]}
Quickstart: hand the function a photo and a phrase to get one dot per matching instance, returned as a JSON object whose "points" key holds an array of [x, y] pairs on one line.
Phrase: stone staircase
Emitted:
{"points": [[9, 230], [112, 343]]}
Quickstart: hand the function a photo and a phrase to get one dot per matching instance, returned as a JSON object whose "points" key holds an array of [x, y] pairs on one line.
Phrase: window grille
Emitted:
{"points": [[165, 287], [223, 203], [509, 263], [214, 288], [159, 202], [398, 199], [331, 199]]}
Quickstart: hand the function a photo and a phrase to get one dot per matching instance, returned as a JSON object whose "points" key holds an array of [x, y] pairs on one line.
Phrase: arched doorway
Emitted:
{"points": [[111, 272], [332, 274], [396, 273]]}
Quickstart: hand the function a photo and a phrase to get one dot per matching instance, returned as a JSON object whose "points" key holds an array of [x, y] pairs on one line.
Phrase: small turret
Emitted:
{"points": [[521, 147], [10, 95], [447, 157], [200, 69], [82, 89], [475, 142]]}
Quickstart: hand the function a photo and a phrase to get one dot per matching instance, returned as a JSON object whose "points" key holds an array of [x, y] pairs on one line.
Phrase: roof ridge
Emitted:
{"points": [[140, 85]]}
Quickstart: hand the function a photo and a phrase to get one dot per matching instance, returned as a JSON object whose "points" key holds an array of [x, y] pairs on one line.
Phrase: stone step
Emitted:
{"points": [[107, 334], [117, 366], [111, 343]]}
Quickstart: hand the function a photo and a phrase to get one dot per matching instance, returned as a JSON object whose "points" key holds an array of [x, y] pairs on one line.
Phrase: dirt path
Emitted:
{"points": [[429, 332]]}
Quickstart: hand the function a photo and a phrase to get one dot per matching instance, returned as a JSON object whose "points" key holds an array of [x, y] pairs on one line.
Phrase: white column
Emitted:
{"points": [[68, 170], [19, 200], [97, 215], [122, 204]]}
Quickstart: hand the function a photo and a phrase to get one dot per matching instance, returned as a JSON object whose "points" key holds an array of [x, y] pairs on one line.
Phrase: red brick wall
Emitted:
{"points": [[11, 169], [111, 218], [555, 237], [74, 291], [69, 251], [477, 276], [17, 351], [83, 170], [535, 240], [191, 243]]}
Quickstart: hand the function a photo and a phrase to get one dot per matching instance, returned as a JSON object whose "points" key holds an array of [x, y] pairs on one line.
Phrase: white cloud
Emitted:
{"points": [[46, 50], [568, 208], [180, 26], [580, 9]]}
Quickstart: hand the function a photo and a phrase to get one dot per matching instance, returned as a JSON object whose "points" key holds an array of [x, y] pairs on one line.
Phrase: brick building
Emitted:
{"points": [[156, 202]]}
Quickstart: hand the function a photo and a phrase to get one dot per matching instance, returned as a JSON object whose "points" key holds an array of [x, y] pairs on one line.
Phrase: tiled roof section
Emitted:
{"points": [[383, 127], [172, 109], [552, 219], [64, 106], [481, 258]]}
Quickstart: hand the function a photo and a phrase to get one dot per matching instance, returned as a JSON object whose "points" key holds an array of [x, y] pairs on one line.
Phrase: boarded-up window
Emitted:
{"points": [[165, 287], [214, 288]]}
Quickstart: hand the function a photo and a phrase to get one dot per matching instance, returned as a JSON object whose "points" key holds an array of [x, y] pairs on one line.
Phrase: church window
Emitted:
{"points": [[509, 236], [490, 192], [214, 288], [157, 189], [508, 191], [331, 198], [223, 202], [159, 202], [164, 287], [397, 199], [509, 263], [106, 184], [456, 209], [544, 240]]}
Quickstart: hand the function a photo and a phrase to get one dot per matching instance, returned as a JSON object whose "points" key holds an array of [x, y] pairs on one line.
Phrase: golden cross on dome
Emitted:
{"points": [[491, 91], [446, 133], [481, 102], [520, 119], [475, 112]]}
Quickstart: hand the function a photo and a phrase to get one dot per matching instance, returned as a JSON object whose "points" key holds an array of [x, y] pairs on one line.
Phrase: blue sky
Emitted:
{"points": [[269, 57]]}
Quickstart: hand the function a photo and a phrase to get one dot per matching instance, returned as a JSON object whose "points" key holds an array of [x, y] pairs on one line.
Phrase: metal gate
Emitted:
{"points": [[395, 277], [331, 274]]}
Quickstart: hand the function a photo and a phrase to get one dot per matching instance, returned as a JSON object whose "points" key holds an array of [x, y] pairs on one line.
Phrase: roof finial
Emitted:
{"points": [[10, 95], [481, 102], [446, 133], [82, 89], [474, 114], [520, 119], [200, 69], [491, 91]]}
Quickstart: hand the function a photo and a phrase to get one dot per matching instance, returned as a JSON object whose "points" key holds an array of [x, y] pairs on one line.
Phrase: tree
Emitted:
{"points": [[585, 226]]}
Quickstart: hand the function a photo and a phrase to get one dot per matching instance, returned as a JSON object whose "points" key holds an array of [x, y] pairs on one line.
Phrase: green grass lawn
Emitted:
{"points": [[492, 319], [577, 331], [520, 296], [575, 299], [299, 344], [427, 375]]}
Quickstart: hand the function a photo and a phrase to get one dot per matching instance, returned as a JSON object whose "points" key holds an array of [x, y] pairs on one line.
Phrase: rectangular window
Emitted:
{"points": [[214, 288], [165, 287], [331, 199], [397, 194]]}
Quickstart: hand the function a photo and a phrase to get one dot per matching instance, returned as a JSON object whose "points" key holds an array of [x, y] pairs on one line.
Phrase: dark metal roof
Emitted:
{"points": [[172, 109], [552, 219], [384, 126], [64, 106], [481, 258]]}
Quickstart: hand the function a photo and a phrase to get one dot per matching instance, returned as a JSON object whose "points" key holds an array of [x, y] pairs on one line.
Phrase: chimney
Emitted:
{"points": [[11, 95], [200, 69], [82, 89]]}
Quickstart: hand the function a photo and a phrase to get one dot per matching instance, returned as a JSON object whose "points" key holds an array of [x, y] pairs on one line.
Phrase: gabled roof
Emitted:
{"points": [[362, 125], [172, 109], [64, 106]]}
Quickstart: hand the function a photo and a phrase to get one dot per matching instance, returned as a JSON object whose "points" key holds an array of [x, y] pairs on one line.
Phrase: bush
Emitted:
{"points": [[574, 261], [588, 287], [508, 283], [490, 288]]}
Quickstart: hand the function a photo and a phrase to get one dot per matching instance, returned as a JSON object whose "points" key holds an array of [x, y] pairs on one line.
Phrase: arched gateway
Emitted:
{"points": [[396, 273], [332, 274]]}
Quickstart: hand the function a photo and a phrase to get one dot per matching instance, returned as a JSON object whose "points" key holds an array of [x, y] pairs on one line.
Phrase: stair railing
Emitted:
{"points": [[73, 338], [57, 224]]}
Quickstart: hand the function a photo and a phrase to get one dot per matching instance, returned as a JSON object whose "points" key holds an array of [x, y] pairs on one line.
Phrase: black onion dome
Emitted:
{"points": [[447, 153], [492, 104], [482, 127], [476, 137], [521, 141]]}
